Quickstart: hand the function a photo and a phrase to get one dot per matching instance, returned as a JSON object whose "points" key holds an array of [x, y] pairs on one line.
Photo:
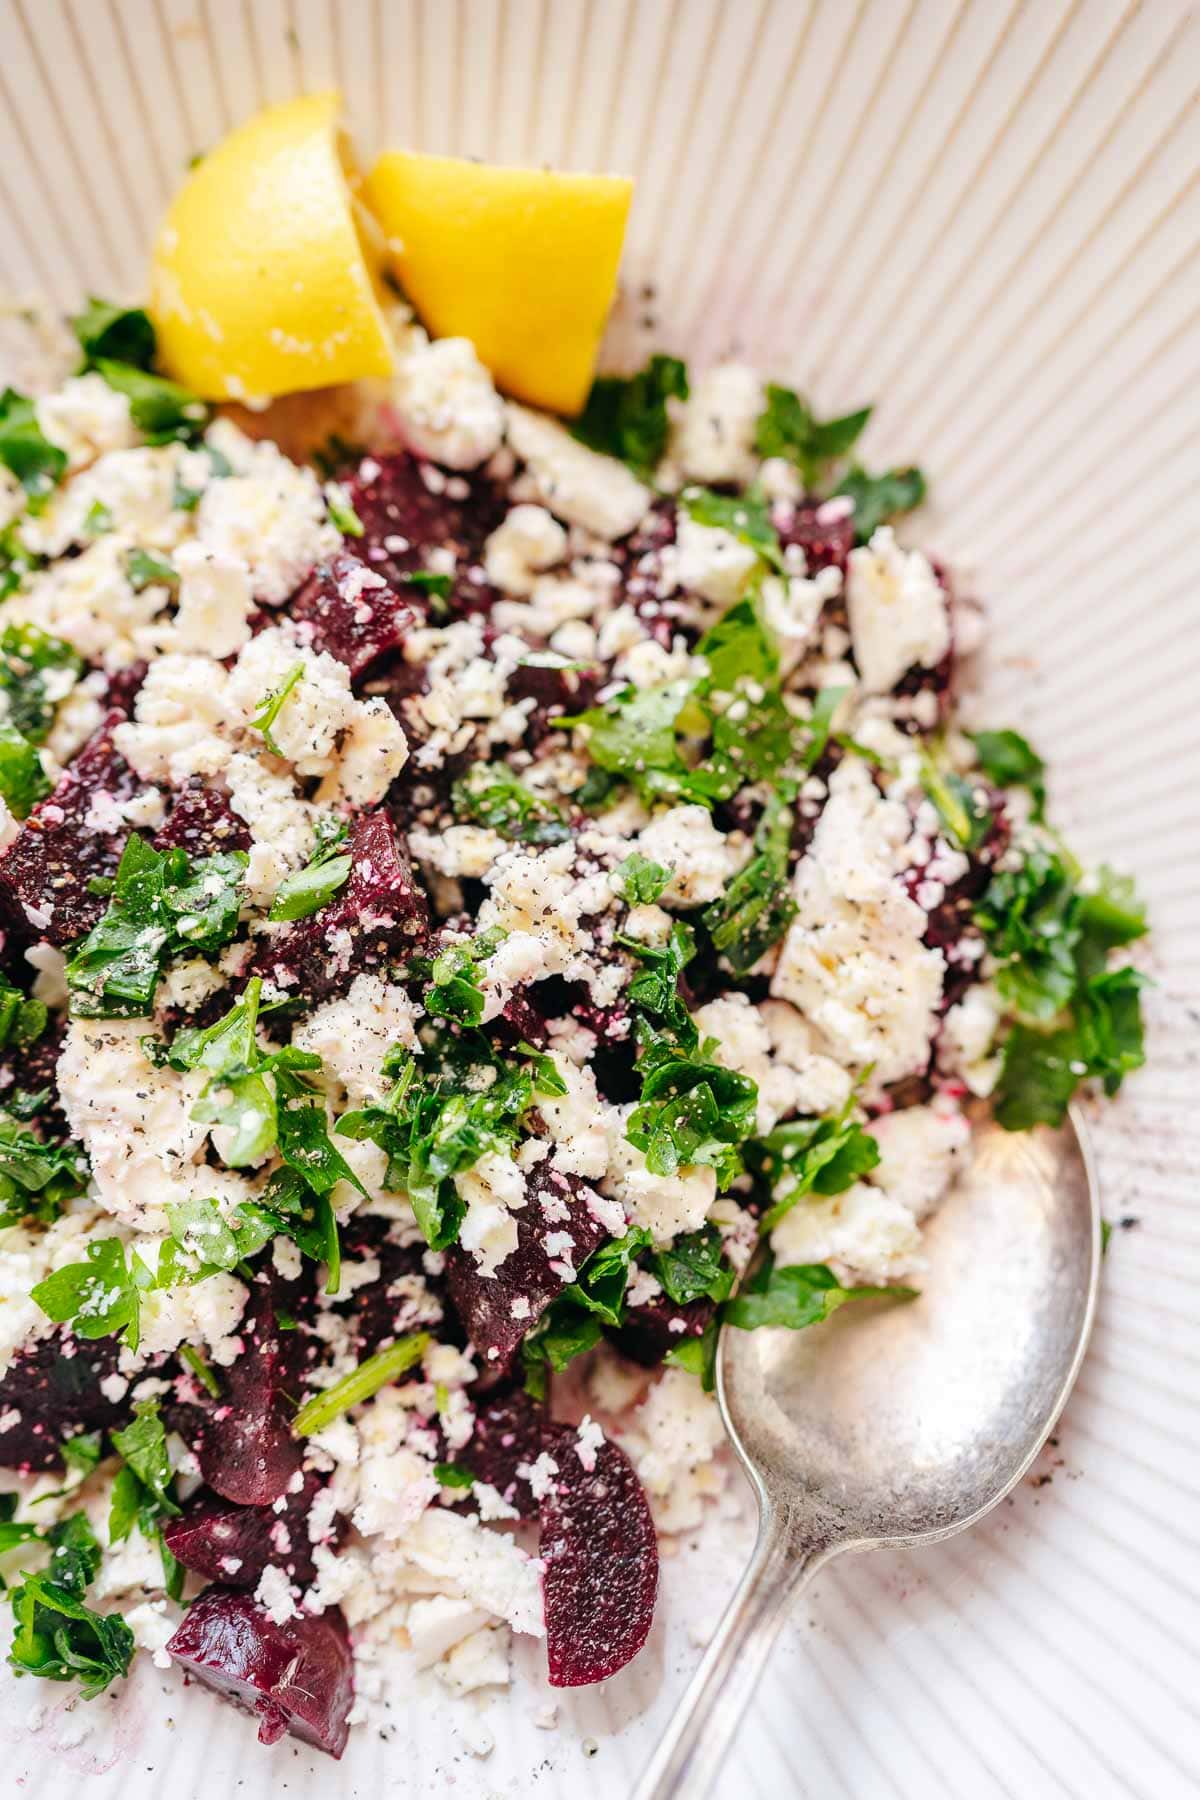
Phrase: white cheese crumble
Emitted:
{"points": [[715, 440], [853, 962], [575, 483], [528, 540], [446, 404], [702, 859], [897, 610], [354, 1033]]}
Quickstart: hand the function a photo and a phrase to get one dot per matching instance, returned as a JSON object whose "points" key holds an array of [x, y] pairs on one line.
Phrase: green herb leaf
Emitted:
{"points": [[360, 1384], [142, 1446], [452, 1475], [117, 333], [163, 411], [627, 417], [738, 649], [698, 1355], [879, 498], [310, 888], [271, 705], [36, 1178], [341, 510], [1009, 760], [802, 1294], [61, 1639], [200, 1369], [82, 1452], [641, 882], [491, 795], [162, 905], [144, 570], [805, 1156], [757, 907], [25, 450], [23, 781], [1029, 916], [746, 516], [694, 1268], [563, 1332], [427, 581], [36, 672], [787, 428], [962, 808], [98, 1296]]}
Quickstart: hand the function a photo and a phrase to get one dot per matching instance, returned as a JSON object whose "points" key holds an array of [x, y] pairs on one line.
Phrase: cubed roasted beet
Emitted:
{"points": [[234, 1544], [202, 822], [380, 918], [412, 510], [822, 531], [296, 1677], [244, 1441], [556, 692], [658, 1325], [508, 1432], [404, 1297], [51, 1391], [555, 1203], [354, 612], [600, 1557], [46, 869]]}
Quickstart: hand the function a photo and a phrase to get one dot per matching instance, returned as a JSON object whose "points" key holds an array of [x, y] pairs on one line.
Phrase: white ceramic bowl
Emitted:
{"points": [[985, 216]]}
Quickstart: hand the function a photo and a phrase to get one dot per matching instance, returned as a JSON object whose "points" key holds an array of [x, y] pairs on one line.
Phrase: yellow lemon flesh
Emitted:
{"points": [[521, 261], [265, 272]]}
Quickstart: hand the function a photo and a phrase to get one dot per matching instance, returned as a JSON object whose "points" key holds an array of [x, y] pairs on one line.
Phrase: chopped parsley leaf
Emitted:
{"points": [[812, 1156], [746, 516], [23, 781], [640, 882], [271, 705], [787, 428], [25, 450], [879, 498], [491, 795], [963, 810], [144, 569], [36, 1178], [311, 888], [1009, 760], [123, 334], [341, 510], [452, 1475], [795, 1297], [757, 907], [100, 1295], [626, 416], [162, 904], [693, 1267]]}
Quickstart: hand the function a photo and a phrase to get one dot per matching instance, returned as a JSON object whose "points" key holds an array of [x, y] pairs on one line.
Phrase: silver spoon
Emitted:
{"points": [[899, 1424]]}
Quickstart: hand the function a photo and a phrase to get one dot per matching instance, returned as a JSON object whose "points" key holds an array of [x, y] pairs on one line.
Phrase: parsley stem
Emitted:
{"points": [[376, 1372], [200, 1370]]}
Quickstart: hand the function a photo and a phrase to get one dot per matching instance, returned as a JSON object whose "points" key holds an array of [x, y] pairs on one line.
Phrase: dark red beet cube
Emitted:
{"points": [[202, 822], [47, 867], [234, 1544], [380, 918], [825, 540], [601, 1562], [297, 1677], [555, 1204], [53, 1386], [409, 509], [507, 1433], [354, 612], [658, 1325], [382, 1310], [244, 1441]]}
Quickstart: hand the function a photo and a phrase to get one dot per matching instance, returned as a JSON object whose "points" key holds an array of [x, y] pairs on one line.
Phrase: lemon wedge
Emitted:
{"points": [[265, 277], [521, 261]]}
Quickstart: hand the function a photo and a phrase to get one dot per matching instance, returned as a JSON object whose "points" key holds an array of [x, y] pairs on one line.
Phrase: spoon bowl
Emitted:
{"points": [[900, 1423]]}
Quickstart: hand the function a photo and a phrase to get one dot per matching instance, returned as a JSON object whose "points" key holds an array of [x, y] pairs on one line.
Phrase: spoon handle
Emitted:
{"points": [[691, 1751]]}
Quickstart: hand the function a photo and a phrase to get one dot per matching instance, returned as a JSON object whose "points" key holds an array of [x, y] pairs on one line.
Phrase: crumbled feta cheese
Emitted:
{"points": [[215, 601], [527, 540], [708, 561], [922, 1150], [493, 1189], [864, 1234], [178, 722], [446, 404], [715, 441], [667, 1205], [270, 516], [702, 861], [208, 1312], [966, 1038], [373, 752], [673, 1440], [86, 418], [483, 1566], [354, 1033], [897, 610], [480, 1660], [575, 1121], [436, 1625], [853, 961], [274, 1595], [468, 850], [27, 1255], [575, 483], [745, 1043]]}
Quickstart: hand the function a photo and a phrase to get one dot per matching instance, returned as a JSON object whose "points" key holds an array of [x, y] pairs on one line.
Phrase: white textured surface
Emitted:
{"points": [[986, 216]]}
